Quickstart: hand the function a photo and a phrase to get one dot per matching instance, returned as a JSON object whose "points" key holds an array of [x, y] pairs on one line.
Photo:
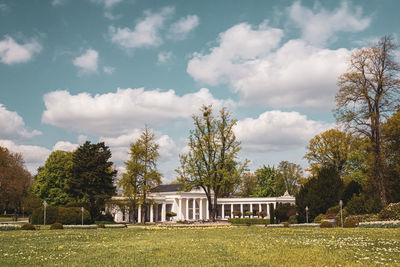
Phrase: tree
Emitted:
{"points": [[368, 92], [288, 178], [212, 161], [141, 172], [92, 179], [266, 182], [49, 183], [248, 185], [319, 193], [14, 180]]}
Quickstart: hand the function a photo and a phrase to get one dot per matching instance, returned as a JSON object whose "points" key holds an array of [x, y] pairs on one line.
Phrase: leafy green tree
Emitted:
{"points": [[141, 172], [368, 92], [319, 193], [92, 179], [212, 161], [49, 183], [266, 182], [248, 185], [14, 180], [288, 178]]}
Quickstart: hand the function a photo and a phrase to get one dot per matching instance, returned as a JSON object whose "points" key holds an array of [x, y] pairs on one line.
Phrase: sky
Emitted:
{"points": [[100, 70]]}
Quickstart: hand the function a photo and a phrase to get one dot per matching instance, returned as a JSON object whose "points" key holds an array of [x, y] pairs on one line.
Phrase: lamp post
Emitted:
{"points": [[341, 212], [307, 214], [44, 214], [83, 209]]}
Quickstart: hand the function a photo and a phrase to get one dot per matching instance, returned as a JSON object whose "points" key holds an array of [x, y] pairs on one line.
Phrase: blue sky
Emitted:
{"points": [[100, 70]]}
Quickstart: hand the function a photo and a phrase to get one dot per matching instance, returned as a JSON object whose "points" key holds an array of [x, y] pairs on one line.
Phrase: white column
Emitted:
{"points": [[268, 215], [157, 216], [187, 209], [194, 209], [180, 209], [151, 213], [251, 209], [231, 216], [223, 211], [201, 209], [139, 214], [207, 211], [259, 207], [241, 209], [163, 212]]}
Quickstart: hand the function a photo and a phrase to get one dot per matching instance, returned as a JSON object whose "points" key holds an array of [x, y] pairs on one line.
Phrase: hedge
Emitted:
{"points": [[248, 221], [63, 215]]}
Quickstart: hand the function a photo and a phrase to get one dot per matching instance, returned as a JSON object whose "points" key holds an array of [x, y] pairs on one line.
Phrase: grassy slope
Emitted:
{"points": [[244, 246]]}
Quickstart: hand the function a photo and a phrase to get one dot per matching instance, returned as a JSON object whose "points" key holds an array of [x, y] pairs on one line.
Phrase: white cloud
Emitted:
{"points": [[82, 139], [108, 69], [276, 130], [118, 113], [164, 57], [296, 74], [4, 7], [106, 3], [13, 126], [87, 62], [180, 29], [320, 25], [34, 156], [146, 31], [11, 52], [65, 145], [58, 2]]}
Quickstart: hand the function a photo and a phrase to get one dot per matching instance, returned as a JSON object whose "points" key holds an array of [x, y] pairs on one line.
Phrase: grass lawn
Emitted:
{"points": [[233, 246]]}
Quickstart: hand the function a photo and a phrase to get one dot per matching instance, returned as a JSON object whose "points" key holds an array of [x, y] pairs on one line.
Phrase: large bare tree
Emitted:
{"points": [[369, 92]]}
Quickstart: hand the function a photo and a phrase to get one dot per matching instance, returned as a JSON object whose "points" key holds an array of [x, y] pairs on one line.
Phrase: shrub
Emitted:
{"points": [[350, 222], [325, 224], [105, 217], [56, 226], [243, 221], [284, 210], [63, 215], [363, 205], [285, 224], [9, 227], [248, 213], [101, 225], [391, 212], [28, 226], [171, 214], [364, 218], [319, 218], [333, 210], [261, 214], [292, 219], [236, 213]]}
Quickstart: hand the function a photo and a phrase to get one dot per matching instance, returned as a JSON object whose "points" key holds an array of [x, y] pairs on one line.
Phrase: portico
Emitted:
{"points": [[193, 205]]}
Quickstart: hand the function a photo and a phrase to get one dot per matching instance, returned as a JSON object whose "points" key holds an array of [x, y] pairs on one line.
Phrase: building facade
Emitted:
{"points": [[192, 206]]}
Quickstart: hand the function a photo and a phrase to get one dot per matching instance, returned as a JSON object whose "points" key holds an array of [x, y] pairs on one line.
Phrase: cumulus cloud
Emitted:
{"points": [[34, 156], [87, 62], [106, 3], [320, 25], [13, 126], [65, 145], [180, 29], [108, 69], [164, 57], [276, 130], [296, 74], [118, 113], [11, 52], [146, 32]]}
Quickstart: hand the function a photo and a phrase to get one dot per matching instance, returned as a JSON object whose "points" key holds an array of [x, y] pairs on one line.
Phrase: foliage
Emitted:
{"points": [[28, 226], [105, 217], [56, 226], [30, 202], [100, 225], [353, 188], [285, 224], [171, 214], [325, 224], [380, 224], [261, 214], [10, 227], [245, 221], [92, 179], [319, 218], [14, 180], [236, 213], [63, 215], [333, 210], [141, 172], [364, 217], [350, 222], [248, 185], [292, 219], [363, 204], [272, 213], [212, 162], [49, 183], [391, 212], [266, 182], [248, 213], [368, 92], [319, 193], [288, 178], [283, 211]]}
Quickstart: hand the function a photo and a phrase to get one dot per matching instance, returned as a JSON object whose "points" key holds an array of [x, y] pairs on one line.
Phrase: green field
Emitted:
{"points": [[233, 246]]}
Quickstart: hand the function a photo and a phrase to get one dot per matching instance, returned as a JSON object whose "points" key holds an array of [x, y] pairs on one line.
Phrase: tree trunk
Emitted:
{"points": [[214, 208]]}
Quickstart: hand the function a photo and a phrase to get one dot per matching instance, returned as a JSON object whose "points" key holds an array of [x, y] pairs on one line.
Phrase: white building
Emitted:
{"points": [[192, 206]]}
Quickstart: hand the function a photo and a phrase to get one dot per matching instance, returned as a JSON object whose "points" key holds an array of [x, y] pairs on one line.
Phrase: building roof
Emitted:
{"points": [[168, 188]]}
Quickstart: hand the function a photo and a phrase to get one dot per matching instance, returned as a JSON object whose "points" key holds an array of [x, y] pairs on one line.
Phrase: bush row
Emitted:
{"points": [[63, 215], [248, 221]]}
